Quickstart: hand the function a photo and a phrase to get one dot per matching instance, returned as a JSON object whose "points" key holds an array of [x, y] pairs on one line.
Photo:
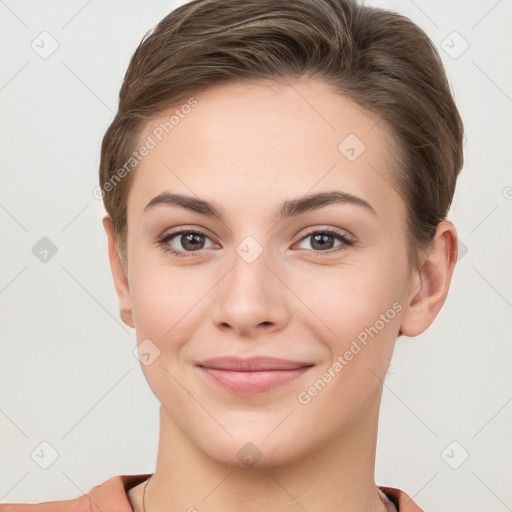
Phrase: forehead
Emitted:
{"points": [[265, 140]]}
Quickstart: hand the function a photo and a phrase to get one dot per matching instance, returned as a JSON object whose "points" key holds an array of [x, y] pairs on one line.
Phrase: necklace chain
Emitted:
{"points": [[144, 494]]}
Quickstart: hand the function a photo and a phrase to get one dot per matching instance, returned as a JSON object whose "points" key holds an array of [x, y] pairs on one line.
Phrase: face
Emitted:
{"points": [[263, 270]]}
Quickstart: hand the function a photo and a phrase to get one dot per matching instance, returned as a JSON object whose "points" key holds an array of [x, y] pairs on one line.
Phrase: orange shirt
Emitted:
{"points": [[111, 496]]}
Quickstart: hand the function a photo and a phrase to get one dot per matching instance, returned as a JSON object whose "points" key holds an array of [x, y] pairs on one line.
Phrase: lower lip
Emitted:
{"points": [[253, 382]]}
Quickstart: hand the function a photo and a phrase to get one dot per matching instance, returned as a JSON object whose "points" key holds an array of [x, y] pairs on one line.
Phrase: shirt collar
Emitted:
{"points": [[111, 496]]}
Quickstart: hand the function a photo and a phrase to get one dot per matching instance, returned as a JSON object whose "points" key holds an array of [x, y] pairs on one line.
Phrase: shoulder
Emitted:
{"points": [[109, 496], [402, 501], [81, 504]]}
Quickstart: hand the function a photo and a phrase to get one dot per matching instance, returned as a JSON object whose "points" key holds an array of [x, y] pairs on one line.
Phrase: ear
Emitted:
{"points": [[118, 273], [431, 281]]}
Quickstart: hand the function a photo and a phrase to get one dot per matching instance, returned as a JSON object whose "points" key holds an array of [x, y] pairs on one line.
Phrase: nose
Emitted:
{"points": [[251, 299]]}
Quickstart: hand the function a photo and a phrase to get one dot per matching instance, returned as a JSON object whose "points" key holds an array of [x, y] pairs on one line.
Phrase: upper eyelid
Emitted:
{"points": [[185, 230], [337, 231]]}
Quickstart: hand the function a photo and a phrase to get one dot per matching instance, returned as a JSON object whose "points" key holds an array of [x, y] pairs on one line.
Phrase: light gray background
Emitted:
{"points": [[68, 376]]}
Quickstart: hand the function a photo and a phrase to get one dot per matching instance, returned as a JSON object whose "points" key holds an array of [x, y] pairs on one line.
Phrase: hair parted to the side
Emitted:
{"points": [[377, 58]]}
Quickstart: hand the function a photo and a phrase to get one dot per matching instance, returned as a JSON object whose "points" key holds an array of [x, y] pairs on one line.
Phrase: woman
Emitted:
{"points": [[277, 180]]}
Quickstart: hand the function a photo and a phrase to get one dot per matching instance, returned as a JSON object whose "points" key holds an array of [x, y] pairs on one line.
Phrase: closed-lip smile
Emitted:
{"points": [[252, 375]]}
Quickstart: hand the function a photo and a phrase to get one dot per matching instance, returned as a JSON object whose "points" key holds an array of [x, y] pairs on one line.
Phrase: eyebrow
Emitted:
{"points": [[288, 208]]}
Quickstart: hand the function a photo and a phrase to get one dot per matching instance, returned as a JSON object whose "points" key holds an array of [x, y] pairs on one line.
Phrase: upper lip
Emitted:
{"points": [[252, 364]]}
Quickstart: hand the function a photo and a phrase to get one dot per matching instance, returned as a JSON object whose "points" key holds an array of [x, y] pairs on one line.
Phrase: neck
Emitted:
{"points": [[338, 476]]}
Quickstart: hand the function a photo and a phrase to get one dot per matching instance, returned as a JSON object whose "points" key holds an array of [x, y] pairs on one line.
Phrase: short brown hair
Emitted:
{"points": [[377, 58]]}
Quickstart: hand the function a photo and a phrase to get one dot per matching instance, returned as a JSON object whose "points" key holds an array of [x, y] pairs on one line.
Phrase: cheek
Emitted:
{"points": [[350, 299], [165, 301], [362, 311], [167, 311], [359, 308]]}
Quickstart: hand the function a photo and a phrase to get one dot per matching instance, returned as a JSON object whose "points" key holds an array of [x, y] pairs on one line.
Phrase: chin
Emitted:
{"points": [[251, 446]]}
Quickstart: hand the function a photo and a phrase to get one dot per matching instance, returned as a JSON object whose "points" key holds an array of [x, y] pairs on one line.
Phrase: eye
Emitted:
{"points": [[185, 241], [324, 241]]}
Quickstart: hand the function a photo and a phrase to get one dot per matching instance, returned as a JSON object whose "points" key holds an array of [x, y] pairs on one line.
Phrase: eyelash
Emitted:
{"points": [[164, 239]]}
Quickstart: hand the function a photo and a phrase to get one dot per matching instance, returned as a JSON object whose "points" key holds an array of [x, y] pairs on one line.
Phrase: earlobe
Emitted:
{"points": [[118, 273], [431, 281]]}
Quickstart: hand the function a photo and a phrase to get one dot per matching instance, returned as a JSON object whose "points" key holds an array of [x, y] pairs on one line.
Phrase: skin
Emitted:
{"points": [[295, 301]]}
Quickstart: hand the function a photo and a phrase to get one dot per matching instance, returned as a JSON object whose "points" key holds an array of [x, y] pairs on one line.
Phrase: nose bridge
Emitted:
{"points": [[249, 296], [249, 274]]}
